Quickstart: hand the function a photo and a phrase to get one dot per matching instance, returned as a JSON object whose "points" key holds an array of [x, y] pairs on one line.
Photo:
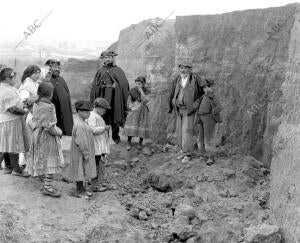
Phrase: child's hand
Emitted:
{"points": [[107, 128]]}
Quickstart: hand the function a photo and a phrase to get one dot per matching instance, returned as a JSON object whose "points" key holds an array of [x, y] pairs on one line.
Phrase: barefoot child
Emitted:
{"points": [[101, 141], [137, 122], [82, 166], [46, 152]]}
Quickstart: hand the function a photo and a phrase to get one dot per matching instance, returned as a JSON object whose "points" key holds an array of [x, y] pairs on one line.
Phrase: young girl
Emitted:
{"points": [[82, 166], [13, 136], [208, 116], [47, 158], [137, 122], [101, 140]]}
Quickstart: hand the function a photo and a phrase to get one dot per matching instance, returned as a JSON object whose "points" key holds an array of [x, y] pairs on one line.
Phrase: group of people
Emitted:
{"points": [[197, 108], [34, 117]]}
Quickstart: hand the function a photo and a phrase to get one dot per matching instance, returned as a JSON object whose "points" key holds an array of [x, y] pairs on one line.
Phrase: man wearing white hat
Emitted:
{"points": [[184, 99]]}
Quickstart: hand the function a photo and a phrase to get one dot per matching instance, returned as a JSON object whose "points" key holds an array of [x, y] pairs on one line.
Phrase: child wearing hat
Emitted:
{"points": [[138, 120], [46, 151], [101, 141], [82, 165], [207, 116]]}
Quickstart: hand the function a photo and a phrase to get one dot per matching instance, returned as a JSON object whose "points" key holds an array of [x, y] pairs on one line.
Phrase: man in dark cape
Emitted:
{"points": [[61, 98], [111, 83]]}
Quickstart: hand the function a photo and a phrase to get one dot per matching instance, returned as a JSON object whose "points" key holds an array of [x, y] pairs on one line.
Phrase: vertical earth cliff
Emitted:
{"points": [[253, 57]]}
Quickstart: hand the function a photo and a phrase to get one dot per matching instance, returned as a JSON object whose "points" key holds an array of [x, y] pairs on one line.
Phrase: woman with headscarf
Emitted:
{"points": [[30, 83], [138, 120]]}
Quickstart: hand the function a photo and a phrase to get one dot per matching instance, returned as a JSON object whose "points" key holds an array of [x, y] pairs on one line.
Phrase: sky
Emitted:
{"points": [[97, 20]]}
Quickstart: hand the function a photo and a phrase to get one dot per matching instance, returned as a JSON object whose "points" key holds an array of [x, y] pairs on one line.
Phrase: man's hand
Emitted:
{"points": [[190, 110]]}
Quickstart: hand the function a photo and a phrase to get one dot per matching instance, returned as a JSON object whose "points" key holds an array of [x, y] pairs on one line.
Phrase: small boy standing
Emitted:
{"points": [[101, 141], [82, 163], [208, 116]]}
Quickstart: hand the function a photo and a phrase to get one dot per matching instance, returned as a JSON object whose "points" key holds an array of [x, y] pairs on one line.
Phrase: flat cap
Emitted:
{"points": [[108, 53], [101, 102], [140, 79], [51, 62], [83, 105]]}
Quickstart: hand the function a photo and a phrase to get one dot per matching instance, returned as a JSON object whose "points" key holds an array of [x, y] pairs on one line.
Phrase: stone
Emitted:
{"points": [[134, 212], [121, 164], [185, 210], [263, 233], [181, 229], [135, 160], [148, 211], [228, 173], [163, 182], [143, 215], [147, 151]]}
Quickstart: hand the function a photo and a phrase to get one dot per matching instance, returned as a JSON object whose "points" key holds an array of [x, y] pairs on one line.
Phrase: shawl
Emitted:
{"points": [[44, 114], [9, 97]]}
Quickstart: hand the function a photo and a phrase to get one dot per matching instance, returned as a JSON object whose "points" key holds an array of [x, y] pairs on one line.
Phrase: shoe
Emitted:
{"points": [[51, 192], [186, 159], [116, 141], [22, 174], [129, 147], [99, 189], [80, 195], [210, 161], [7, 171]]}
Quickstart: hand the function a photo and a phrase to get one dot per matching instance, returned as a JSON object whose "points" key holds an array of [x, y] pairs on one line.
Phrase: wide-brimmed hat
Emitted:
{"points": [[83, 105], [185, 63], [101, 102], [52, 62], [108, 54]]}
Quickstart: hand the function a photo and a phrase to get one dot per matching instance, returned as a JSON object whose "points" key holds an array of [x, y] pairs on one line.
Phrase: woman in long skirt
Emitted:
{"points": [[138, 121], [13, 135]]}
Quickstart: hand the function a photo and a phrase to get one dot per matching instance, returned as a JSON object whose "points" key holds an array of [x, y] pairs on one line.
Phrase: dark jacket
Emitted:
{"points": [[209, 104], [62, 102], [111, 83], [196, 92]]}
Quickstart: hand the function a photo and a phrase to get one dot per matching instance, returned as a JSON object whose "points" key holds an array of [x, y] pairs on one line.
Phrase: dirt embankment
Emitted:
{"points": [[156, 199]]}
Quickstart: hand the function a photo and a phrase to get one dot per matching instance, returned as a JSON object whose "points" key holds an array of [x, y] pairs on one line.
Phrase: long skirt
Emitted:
{"points": [[138, 123], [14, 137], [46, 154]]}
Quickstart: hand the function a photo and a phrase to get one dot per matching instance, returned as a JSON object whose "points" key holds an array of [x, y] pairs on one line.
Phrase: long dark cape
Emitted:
{"points": [[62, 102], [116, 97]]}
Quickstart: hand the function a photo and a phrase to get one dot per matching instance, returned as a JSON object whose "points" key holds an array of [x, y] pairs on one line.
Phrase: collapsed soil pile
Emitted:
{"points": [[155, 198], [193, 202]]}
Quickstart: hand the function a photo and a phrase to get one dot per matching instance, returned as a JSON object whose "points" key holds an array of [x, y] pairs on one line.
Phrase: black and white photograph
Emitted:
{"points": [[150, 121]]}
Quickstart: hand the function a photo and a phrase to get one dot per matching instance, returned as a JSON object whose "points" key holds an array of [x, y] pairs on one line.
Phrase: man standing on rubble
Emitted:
{"points": [[110, 82], [184, 99]]}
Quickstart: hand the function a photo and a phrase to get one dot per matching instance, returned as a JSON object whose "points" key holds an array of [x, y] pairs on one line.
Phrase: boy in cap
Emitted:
{"points": [[82, 164], [101, 141], [208, 115]]}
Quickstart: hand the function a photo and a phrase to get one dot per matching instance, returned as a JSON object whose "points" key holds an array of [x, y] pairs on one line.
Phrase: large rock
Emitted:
{"points": [[262, 234]]}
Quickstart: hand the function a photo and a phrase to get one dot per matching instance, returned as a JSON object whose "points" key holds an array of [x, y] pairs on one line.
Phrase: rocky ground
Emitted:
{"points": [[155, 198]]}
